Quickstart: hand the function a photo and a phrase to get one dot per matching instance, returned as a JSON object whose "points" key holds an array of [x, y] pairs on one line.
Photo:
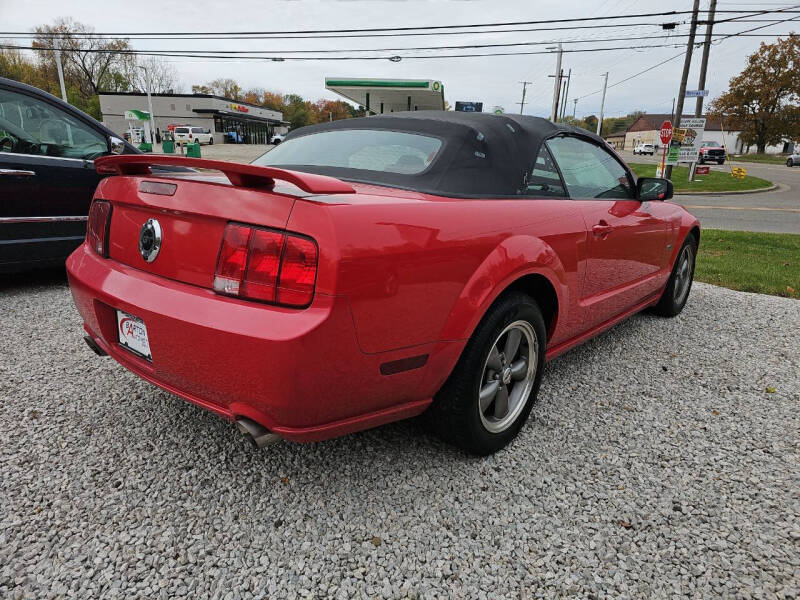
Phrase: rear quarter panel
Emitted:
{"points": [[418, 270]]}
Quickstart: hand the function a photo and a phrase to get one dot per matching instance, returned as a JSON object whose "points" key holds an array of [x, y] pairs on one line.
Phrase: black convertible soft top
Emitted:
{"points": [[482, 154]]}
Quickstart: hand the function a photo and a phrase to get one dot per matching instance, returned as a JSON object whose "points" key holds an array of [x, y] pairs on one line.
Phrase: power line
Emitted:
{"points": [[33, 35], [717, 40], [269, 34], [393, 58], [340, 51], [266, 36], [368, 29]]}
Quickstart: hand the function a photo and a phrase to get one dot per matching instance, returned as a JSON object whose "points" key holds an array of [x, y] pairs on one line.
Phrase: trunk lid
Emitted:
{"points": [[192, 210], [191, 222]]}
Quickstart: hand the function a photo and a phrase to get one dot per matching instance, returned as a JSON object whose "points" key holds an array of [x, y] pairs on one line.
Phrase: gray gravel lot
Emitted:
{"points": [[657, 466]]}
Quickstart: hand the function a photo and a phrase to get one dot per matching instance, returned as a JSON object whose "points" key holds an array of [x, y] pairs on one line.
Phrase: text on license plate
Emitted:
{"points": [[133, 334]]}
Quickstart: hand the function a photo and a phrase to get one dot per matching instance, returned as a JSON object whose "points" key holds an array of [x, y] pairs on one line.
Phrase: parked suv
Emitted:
{"points": [[793, 160], [645, 149], [711, 152], [186, 134]]}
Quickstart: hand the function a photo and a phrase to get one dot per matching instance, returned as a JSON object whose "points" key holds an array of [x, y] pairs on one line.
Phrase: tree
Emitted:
{"points": [[224, 87], [160, 75], [273, 101], [92, 63], [762, 101], [330, 110]]}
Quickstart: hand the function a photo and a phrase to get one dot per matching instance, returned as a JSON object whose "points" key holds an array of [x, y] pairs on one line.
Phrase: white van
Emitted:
{"points": [[186, 134]]}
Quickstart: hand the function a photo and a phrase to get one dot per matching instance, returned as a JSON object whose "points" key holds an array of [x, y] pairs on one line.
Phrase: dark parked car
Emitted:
{"points": [[47, 175]]}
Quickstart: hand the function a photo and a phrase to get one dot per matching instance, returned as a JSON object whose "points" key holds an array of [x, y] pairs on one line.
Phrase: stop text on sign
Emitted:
{"points": [[666, 132]]}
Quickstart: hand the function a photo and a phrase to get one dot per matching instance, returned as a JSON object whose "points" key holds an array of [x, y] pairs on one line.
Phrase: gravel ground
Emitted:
{"points": [[662, 462]]}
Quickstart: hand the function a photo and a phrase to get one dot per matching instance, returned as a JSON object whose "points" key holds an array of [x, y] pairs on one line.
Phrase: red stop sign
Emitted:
{"points": [[666, 132]]}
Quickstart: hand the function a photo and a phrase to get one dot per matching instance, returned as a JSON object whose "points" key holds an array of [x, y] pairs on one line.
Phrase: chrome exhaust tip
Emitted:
{"points": [[94, 346], [258, 434]]}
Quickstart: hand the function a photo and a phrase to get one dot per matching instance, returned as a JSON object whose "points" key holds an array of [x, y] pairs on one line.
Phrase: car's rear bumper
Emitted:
{"points": [[300, 373]]}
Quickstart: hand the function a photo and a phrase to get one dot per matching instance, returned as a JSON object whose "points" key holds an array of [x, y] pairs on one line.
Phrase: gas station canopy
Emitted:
{"points": [[389, 95]]}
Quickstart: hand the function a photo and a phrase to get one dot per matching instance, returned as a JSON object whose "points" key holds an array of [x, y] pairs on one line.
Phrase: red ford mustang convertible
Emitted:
{"points": [[370, 270]]}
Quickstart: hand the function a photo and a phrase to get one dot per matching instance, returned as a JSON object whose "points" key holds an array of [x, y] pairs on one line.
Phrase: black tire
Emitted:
{"points": [[721, 162], [672, 301], [197, 141], [211, 141], [789, 162], [455, 415], [701, 161]]}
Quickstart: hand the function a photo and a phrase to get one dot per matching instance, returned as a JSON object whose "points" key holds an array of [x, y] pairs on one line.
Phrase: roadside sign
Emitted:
{"points": [[702, 170], [666, 132], [696, 93], [666, 136], [738, 172], [469, 106], [498, 110], [686, 140]]}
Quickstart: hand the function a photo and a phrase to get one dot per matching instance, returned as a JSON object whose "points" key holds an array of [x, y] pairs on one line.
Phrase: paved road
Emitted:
{"points": [[777, 211]]}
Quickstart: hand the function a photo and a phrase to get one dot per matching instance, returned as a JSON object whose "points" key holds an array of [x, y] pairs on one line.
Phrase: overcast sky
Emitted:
{"points": [[492, 80]]}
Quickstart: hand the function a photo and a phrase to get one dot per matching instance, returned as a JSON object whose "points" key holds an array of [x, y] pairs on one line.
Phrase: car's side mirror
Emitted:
{"points": [[116, 145], [653, 188]]}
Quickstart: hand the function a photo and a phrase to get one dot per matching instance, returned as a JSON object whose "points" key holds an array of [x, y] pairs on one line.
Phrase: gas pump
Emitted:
{"points": [[134, 117]]}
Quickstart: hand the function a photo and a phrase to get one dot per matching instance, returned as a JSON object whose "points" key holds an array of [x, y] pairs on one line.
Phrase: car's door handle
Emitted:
{"points": [[601, 229], [17, 172]]}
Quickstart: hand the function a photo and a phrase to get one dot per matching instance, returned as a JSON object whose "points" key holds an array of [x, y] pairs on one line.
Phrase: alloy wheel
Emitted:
{"points": [[683, 274], [508, 376]]}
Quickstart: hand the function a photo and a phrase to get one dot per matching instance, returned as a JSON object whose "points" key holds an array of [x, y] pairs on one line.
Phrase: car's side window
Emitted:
{"points": [[544, 179], [31, 126], [590, 171]]}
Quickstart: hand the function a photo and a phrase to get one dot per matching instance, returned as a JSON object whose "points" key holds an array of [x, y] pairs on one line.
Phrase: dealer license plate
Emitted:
{"points": [[133, 334]]}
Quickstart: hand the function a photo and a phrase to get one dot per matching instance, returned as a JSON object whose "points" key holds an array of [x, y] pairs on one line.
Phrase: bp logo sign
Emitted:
{"points": [[437, 85], [137, 115]]}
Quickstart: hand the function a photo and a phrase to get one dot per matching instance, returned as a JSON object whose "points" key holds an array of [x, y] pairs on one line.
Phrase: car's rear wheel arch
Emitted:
{"points": [[542, 291], [695, 232]]}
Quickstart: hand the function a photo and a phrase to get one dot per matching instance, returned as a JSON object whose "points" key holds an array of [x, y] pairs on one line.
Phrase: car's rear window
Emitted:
{"points": [[367, 149], [181, 130]]}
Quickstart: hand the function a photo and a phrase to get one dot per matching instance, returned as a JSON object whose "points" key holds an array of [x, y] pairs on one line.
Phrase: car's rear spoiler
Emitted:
{"points": [[239, 175]]}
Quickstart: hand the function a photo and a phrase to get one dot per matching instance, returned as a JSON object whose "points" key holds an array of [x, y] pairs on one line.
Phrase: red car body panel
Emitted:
{"points": [[403, 280]]}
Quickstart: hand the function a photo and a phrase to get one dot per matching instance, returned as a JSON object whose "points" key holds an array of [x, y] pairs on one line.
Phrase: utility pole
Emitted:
{"points": [[557, 86], [57, 48], [525, 85], [698, 111], [559, 79], [672, 114], [575, 107], [687, 63], [566, 94], [603, 102]]}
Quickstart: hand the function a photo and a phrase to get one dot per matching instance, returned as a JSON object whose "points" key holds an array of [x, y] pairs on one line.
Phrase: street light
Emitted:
{"points": [[151, 126]]}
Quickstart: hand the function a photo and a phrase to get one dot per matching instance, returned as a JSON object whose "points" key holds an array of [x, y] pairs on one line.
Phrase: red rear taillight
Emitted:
{"points": [[266, 265], [232, 260], [261, 277], [97, 226], [298, 271]]}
